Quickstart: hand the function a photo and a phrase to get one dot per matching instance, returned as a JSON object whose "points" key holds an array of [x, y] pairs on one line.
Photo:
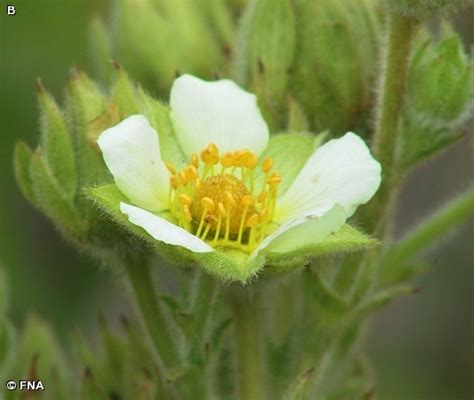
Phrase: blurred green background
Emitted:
{"points": [[421, 346]]}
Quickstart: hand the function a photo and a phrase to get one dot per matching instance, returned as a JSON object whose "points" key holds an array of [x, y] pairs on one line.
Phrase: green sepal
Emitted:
{"points": [[289, 152], [265, 51], [158, 114], [56, 142], [86, 106], [345, 240], [50, 197], [297, 120], [124, 93], [22, 160], [107, 199]]}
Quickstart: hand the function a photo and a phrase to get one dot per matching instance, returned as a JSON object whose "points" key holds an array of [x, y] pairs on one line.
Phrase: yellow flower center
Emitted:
{"points": [[218, 201]]}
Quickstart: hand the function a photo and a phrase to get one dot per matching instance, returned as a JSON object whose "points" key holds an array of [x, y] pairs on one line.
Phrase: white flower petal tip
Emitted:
{"points": [[131, 151], [217, 112], [342, 171], [303, 231], [163, 230]]}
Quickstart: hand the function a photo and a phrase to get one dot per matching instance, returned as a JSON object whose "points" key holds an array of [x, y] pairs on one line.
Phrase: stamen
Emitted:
{"points": [[220, 207]]}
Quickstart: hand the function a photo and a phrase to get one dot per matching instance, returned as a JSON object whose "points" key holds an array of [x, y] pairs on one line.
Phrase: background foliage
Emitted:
{"points": [[418, 344]]}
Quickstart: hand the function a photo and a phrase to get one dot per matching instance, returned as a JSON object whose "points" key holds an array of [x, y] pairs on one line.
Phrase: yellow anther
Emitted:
{"points": [[267, 165], [251, 160], [182, 178], [185, 200], [170, 168], [263, 215], [195, 160], [197, 184], [221, 209], [191, 172], [174, 182], [247, 200], [207, 204], [275, 178], [213, 150], [240, 157], [227, 160], [209, 158], [262, 197], [230, 199], [187, 213], [252, 221]]}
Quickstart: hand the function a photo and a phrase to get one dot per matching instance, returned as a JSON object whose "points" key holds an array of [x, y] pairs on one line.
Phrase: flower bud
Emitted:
{"points": [[336, 48], [424, 8], [440, 98], [157, 40]]}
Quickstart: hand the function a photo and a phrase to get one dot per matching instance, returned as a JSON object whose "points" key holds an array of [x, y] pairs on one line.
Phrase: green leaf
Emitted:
{"points": [[22, 160], [51, 198], [56, 142]]}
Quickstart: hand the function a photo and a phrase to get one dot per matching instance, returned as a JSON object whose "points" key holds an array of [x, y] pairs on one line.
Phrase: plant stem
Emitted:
{"points": [[456, 212], [401, 31], [155, 322], [246, 317]]}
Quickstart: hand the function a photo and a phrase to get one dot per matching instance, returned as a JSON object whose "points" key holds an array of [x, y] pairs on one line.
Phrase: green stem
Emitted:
{"points": [[155, 321], [401, 31], [456, 212], [249, 346]]}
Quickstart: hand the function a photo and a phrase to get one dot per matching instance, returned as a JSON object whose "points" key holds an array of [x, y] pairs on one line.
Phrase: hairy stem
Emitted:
{"points": [[457, 211], [401, 31], [155, 322], [249, 346]]}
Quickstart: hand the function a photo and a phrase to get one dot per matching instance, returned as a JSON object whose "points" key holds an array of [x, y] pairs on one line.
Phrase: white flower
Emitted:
{"points": [[228, 196]]}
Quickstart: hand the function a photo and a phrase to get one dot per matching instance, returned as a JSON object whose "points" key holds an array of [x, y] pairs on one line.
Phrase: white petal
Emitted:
{"points": [[342, 171], [131, 151], [303, 231], [163, 230], [217, 112]]}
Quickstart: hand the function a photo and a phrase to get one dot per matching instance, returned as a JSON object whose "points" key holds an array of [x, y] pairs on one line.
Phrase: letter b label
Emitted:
{"points": [[11, 10]]}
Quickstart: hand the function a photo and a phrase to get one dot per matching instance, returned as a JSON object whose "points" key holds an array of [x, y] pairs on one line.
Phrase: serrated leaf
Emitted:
{"points": [[56, 142], [22, 160], [50, 197]]}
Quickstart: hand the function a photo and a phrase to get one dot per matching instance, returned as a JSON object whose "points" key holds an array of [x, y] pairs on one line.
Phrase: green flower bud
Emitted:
{"points": [[264, 54], [425, 8], [440, 98], [336, 48], [170, 37]]}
